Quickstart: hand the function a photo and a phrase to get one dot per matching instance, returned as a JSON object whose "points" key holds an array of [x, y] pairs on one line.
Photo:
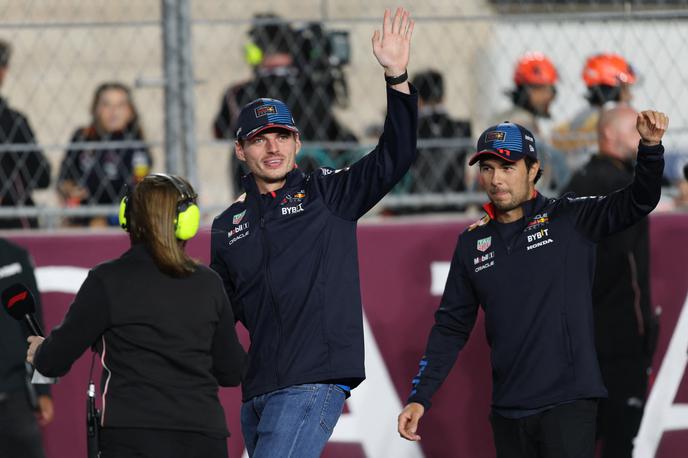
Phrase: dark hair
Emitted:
{"points": [[152, 215], [5, 53], [430, 86], [530, 161], [600, 94], [521, 98], [272, 34], [133, 127]]}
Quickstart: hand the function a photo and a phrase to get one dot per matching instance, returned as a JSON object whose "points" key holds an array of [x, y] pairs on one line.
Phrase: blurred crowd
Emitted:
{"points": [[306, 68]]}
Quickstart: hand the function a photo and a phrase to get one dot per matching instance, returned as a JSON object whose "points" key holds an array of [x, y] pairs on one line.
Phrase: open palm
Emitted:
{"points": [[393, 47]]}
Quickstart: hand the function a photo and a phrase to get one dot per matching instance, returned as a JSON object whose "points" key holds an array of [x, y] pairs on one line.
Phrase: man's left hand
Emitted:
{"points": [[46, 411], [392, 48], [651, 126]]}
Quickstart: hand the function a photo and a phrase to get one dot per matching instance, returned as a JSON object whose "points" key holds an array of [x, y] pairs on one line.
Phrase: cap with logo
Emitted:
{"points": [[263, 114], [507, 141]]}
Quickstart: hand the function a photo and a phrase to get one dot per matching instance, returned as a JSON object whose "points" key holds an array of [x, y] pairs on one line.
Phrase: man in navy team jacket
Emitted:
{"points": [[529, 264], [287, 253]]}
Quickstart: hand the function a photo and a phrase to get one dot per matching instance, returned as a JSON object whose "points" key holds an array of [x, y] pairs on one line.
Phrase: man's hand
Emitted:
{"points": [[34, 343], [651, 126], [393, 47], [408, 421], [46, 411]]}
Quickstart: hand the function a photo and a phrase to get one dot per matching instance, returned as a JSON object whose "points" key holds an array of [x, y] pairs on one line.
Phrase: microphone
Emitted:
{"points": [[21, 305], [19, 302], [685, 171]]}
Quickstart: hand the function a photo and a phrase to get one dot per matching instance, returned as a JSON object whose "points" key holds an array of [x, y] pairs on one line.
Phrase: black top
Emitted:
{"points": [[20, 171], [624, 324], [15, 267], [536, 295], [290, 264], [165, 344]]}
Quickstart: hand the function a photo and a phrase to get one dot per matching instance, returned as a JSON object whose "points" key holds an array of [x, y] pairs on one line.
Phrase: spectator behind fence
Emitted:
{"points": [[438, 169], [625, 327], [21, 403], [535, 79], [284, 69], [608, 78], [23, 169], [96, 173]]}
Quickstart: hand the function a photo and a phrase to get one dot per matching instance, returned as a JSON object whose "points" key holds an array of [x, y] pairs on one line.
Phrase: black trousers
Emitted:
{"points": [[619, 415], [565, 431], [156, 443], [20, 435]]}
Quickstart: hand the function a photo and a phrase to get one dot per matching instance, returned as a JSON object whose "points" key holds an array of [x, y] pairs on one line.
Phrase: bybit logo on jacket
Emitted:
{"points": [[296, 201], [539, 239]]}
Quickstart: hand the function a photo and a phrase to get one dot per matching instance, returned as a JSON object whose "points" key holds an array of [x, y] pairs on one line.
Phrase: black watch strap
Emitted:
{"points": [[392, 80]]}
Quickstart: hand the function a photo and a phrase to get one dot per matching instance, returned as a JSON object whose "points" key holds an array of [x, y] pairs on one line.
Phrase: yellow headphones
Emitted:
{"points": [[188, 214]]}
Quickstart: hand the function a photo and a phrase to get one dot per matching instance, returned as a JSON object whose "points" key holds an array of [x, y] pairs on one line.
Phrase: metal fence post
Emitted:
{"points": [[188, 119], [173, 104]]}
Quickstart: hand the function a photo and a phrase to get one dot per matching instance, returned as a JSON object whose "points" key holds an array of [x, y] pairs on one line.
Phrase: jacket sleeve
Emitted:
{"points": [[219, 266], [229, 357], [87, 318], [351, 192], [598, 217], [454, 321]]}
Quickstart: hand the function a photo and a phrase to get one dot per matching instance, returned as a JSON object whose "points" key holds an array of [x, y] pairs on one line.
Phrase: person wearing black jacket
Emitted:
{"points": [[20, 401], [625, 328], [164, 329], [287, 253], [529, 264], [21, 170]]}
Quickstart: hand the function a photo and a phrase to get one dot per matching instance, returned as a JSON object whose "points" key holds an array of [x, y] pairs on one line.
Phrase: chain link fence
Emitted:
{"points": [[178, 71]]}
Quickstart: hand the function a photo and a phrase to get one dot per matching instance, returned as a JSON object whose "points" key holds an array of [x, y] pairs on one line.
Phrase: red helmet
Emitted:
{"points": [[534, 68], [609, 70]]}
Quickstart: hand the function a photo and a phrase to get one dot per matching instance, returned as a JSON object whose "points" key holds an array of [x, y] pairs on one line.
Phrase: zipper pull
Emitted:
{"points": [[262, 222]]}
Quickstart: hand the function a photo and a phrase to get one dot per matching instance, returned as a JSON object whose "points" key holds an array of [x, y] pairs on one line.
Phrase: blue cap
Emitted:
{"points": [[263, 114], [507, 141]]}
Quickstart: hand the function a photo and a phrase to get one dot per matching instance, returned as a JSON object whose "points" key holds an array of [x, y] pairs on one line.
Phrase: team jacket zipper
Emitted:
{"points": [[266, 248]]}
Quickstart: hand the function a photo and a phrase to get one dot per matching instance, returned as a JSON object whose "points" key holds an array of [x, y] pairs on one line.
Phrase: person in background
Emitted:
{"points": [[535, 78], [106, 155], [625, 327], [438, 169], [23, 406], [608, 78], [164, 328], [21, 170], [282, 71]]}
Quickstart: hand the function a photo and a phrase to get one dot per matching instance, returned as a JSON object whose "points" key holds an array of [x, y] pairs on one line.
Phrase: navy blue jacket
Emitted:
{"points": [[290, 266], [536, 294]]}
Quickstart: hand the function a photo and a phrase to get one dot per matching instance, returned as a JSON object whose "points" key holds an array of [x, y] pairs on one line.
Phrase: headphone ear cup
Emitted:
{"points": [[123, 214], [188, 222]]}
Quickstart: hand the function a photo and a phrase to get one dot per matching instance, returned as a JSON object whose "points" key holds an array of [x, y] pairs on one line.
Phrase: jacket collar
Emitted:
{"points": [[294, 177], [530, 207]]}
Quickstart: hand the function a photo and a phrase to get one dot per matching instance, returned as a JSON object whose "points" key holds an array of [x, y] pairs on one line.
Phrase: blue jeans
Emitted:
{"points": [[293, 422]]}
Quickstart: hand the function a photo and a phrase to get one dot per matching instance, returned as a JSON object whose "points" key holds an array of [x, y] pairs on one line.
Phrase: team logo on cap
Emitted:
{"points": [[484, 244], [495, 135], [265, 110]]}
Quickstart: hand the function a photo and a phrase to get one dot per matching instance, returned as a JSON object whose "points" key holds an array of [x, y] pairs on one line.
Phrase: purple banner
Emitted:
{"points": [[403, 266]]}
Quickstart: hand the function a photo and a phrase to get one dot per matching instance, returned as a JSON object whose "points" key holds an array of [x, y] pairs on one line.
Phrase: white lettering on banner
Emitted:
{"points": [[661, 414], [10, 269], [439, 272], [372, 405]]}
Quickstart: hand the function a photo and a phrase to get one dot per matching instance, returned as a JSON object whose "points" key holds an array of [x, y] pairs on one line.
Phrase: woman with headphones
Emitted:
{"points": [[164, 329]]}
